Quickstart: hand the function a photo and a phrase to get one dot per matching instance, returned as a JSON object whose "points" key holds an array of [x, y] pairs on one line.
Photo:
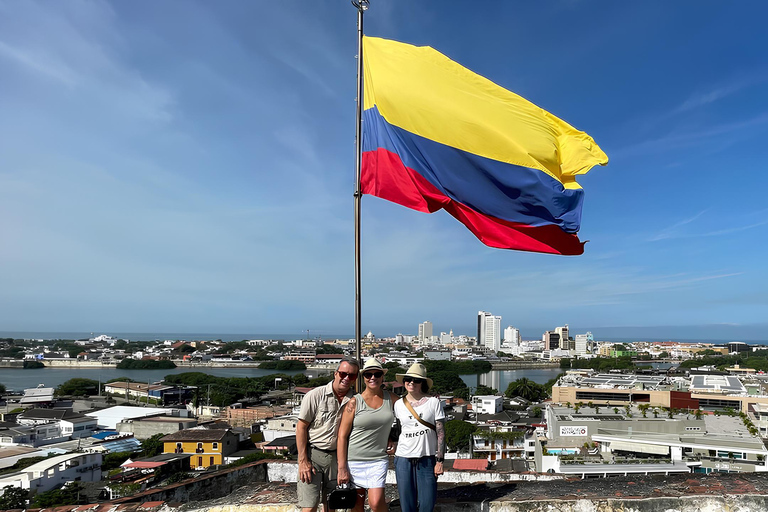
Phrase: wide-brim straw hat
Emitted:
{"points": [[418, 371], [373, 364]]}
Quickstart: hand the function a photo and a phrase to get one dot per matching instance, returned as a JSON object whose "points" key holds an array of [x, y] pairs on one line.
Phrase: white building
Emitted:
{"points": [[487, 404], [425, 332], [51, 473], [512, 336], [584, 343], [489, 331]]}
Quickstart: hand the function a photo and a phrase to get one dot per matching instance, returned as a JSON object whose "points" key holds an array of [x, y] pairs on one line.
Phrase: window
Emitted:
{"points": [[215, 446]]}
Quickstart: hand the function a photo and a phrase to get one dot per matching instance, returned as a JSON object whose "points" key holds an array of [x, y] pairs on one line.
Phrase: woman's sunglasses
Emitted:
{"points": [[344, 375], [377, 375], [413, 379]]}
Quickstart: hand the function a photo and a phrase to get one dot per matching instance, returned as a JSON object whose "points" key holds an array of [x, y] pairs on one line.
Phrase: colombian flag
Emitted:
{"points": [[436, 135]]}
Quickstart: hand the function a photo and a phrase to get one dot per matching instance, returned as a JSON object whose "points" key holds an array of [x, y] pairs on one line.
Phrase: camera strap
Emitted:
{"points": [[416, 416]]}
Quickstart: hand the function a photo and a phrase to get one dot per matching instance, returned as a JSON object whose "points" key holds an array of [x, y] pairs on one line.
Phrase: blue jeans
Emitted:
{"points": [[416, 483]]}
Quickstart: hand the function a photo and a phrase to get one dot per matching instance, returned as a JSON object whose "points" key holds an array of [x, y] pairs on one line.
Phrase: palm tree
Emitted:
{"points": [[525, 388]]}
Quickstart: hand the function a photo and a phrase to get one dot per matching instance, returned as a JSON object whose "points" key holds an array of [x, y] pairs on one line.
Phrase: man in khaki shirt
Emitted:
{"points": [[316, 435]]}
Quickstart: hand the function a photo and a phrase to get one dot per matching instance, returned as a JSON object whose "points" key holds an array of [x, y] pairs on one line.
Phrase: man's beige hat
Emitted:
{"points": [[418, 371], [373, 364]]}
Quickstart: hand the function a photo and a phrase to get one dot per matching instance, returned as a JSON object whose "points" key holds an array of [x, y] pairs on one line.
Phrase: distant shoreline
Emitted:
{"points": [[94, 365]]}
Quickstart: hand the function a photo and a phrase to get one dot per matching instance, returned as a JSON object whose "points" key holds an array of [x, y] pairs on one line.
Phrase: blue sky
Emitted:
{"points": [[188, 167]]}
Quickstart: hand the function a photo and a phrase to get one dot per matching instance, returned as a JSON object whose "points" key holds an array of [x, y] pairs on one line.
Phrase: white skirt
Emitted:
{"points": [[369, 474]]}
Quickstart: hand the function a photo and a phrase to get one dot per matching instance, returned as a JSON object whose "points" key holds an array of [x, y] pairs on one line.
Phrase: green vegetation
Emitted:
{"points": [[600, 364], [329, 349], [13, 497], [492, 435], [152, 446], [485, 390], [757, 360], [225, 391], [145, 364], [114, 460], [2, 388], [282, 365], [32, 365], [526, 388], [78, 387], [68, 495], [458, 434], [460, 367]]}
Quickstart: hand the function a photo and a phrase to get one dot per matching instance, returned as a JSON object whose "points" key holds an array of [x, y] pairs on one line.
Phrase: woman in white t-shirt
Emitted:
{"points": [[421, 446]]}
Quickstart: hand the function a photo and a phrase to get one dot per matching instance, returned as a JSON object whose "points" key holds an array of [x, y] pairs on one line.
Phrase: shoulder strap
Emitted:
{"points": [[416, 416]]}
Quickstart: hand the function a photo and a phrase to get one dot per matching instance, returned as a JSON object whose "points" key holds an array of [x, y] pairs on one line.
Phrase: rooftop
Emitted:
{"points": [[197, 434]]}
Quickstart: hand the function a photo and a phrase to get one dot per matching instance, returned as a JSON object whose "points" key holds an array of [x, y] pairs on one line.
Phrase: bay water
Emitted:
{"points": [[19, 379]]}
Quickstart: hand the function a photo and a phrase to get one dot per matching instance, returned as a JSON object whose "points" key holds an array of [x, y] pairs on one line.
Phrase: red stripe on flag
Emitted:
{"points": [[384, 175]]}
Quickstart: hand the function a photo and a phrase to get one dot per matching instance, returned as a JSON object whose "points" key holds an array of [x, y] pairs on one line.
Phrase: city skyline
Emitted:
{"points": [[189, 168]]}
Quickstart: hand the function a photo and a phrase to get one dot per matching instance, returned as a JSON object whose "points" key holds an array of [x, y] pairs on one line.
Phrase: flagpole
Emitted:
{"points": [[362, 6]]}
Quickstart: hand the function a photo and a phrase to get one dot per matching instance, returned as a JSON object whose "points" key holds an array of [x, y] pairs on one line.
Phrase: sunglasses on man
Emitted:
{"points": [[376, 375], [413, 379], [344, 375]]}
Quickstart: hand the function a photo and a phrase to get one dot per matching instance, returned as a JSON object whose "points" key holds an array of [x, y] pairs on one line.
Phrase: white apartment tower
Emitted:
{"points": [[489, 331], [512, 336], [425, 332], [584, 344]]}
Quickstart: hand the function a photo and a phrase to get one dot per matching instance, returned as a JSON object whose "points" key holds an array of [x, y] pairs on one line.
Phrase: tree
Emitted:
{"points": [[458, 434], [525, 388], [535, 412], [152, 446], [13, 497], [485, 390], [78, 386], [2, 388], [300, 379], [67, 495]]}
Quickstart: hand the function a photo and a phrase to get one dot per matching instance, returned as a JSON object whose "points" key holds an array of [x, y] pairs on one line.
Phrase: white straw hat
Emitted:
{"points": [[418, 371], [373, 364]]}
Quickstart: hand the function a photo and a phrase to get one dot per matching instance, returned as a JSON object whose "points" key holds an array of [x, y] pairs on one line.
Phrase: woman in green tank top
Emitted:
{"points": [[363, 447]]}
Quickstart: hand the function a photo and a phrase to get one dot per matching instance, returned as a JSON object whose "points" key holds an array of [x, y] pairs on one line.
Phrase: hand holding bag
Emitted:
{"points": [[344, 496]]}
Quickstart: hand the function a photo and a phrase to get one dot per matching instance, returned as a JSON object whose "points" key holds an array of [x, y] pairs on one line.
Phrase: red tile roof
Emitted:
{"points": [[472, 464]]}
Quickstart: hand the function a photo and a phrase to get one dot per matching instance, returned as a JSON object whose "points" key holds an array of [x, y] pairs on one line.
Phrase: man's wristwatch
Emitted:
{"points": [[439, 459]]}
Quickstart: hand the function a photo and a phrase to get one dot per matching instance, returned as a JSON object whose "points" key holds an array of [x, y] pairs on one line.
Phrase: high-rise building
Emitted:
{"points": [[425, 332], [584, 343], [489, 331], [563, 333], [511, 336], [551, 340]]}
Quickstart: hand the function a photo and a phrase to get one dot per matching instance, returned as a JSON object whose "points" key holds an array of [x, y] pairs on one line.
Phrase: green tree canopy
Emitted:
{"points": [[71, 494], [282, 365], [78, 387], [145, 364], [13, 497], [526, 388], [458, 434], [152, 446], [485, 390]]}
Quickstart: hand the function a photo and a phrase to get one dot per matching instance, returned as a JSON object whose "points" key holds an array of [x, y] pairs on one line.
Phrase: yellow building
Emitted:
{"points": [[207, 447]]}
